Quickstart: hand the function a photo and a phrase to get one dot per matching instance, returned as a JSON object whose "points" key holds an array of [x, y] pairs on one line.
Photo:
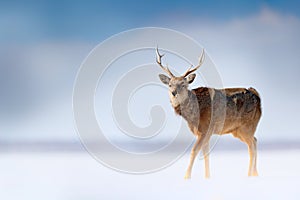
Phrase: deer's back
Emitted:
{"points": [[238, 106]]}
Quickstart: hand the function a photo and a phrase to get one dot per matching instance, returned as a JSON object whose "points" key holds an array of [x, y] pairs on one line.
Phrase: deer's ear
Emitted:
{"points": [[164, 79], [190, 78]]}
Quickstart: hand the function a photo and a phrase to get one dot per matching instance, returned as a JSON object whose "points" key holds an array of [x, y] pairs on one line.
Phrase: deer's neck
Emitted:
{"points": [[185, 105], [179, 99]]}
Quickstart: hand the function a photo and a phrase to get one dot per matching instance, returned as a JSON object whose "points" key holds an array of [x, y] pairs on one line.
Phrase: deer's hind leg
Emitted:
{"points": [[252, 149], [254, 169], [251, 141]]}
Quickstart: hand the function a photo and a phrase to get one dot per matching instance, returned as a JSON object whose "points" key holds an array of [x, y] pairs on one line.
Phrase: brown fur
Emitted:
{"points": [[242, 107]]}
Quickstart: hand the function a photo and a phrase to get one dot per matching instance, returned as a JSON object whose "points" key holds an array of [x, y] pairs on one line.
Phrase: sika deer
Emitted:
{"points": [[214, 111]]}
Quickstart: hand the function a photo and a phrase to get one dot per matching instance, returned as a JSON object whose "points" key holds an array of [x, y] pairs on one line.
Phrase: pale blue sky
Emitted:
{"points": [[93, 21], [42, 44]]}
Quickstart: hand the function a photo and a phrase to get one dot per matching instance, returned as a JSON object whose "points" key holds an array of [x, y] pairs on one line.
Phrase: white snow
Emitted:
{"points": [[76, 175]]}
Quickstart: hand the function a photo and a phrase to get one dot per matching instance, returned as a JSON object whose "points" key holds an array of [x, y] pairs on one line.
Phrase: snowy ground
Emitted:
{"points": [[76, 176]]}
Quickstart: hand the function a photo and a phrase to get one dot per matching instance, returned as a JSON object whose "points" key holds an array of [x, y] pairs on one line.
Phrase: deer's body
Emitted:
{"points": [[214, 111], [240, 107]]}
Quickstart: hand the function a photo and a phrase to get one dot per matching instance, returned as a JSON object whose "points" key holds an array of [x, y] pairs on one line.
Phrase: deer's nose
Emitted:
{"points": [[174, 93]]}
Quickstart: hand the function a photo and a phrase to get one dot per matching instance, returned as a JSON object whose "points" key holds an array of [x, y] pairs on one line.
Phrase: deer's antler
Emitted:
{"points": [[201, 60], [158, 60]]}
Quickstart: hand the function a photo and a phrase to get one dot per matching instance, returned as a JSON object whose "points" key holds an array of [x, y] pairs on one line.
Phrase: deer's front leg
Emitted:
{"points": [[205, 151], [195, 150]]}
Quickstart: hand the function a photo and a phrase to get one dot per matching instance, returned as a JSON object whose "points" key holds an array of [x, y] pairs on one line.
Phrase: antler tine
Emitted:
{"points": [[201, 60], [158, 60]]}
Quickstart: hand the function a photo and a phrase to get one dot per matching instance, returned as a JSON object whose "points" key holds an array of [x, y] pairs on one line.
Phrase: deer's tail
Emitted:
{"points": [[254, 91], [258, 100]]}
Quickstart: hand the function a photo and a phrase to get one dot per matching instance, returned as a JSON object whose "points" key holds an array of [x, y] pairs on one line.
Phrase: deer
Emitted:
{"points": [[210, 111]]}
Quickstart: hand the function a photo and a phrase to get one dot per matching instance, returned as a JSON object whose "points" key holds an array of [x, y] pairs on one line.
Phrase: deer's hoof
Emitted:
{"points": [[207, 176], [187, 176], [254, 174]]}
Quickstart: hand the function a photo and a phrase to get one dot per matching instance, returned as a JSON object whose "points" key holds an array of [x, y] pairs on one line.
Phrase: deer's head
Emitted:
{"points": [[178, 85]]}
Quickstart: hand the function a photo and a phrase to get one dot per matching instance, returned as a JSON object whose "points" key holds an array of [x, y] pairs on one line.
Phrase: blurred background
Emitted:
{"points": [[42, 44], [252, 43]]}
